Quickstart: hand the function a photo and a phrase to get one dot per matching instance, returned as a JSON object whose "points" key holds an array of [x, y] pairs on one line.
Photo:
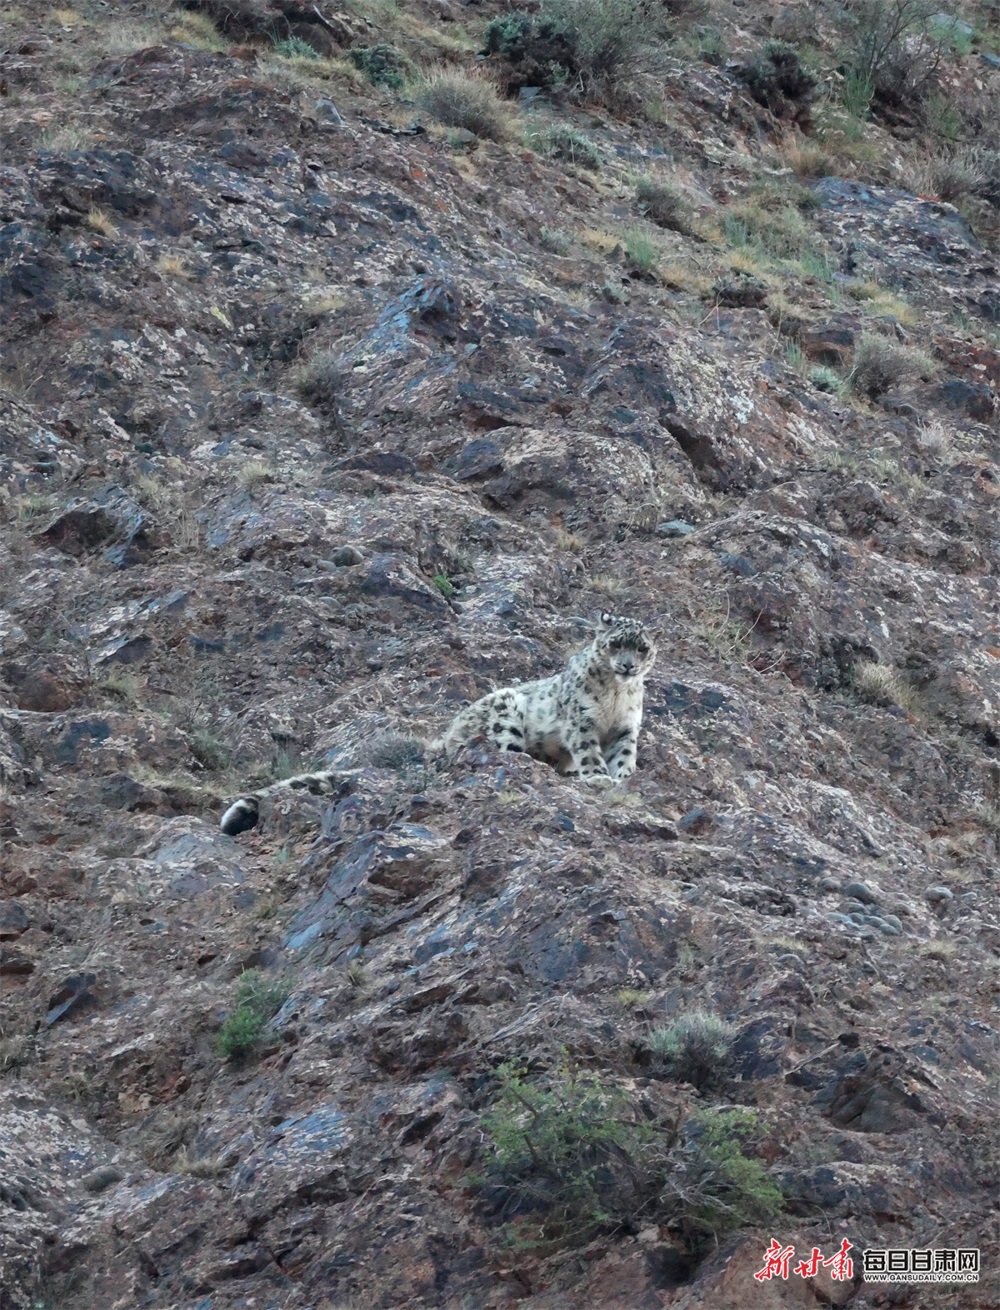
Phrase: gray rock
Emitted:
{"points": [[13, 919], [101, 1178], [347, 556], [861, 892], [988, 57], [936, 894], [829, 886], [674, 528]]}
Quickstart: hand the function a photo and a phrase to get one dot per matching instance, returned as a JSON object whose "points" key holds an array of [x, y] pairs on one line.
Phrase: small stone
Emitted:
{"points": [[936, 894], [101, 1178], [13, 919], [347, 556], [696, 822], [828, 886], [888, 929], [674, 528], [893, 922], [988, 57], [861, 892]]}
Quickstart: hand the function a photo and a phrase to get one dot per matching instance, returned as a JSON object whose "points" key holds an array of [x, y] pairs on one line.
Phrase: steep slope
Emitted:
{"points": [[319, 419]]}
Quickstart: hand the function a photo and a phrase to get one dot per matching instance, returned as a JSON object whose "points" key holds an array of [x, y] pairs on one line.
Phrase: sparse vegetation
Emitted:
{"points": [[209, 751], [555, 241], [879, 684], [258, 1000], [777, 79], [444, 585], [663, 203], [393, 750], [561, 141], [881, 364], [695, 1048], [571, 1156], [99, 221], [470, 102], [320, 379], [383, 65], [892, 47], [293, 47], [641, 249]]}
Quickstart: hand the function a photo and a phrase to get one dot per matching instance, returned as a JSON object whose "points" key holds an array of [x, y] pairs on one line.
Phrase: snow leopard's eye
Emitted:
{"points": [[615, 643]]}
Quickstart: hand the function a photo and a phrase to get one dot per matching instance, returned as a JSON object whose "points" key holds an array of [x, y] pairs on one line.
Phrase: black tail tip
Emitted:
{"points": [[240, 817]]}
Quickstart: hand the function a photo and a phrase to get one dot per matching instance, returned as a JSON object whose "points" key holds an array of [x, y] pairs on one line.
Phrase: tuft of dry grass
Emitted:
{"points": [[172, 266], [879, 684], [881, 364], [469, 102], [663, 203], [99, 221]]}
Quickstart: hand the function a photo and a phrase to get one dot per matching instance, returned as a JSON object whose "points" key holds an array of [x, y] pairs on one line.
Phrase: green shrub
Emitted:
{"points": [[535, 51], [776, 78], [555, 241], [695, 1048], [444, 585], [892, 47], [881, 364], [642, 251], [717, 1188], [293, 47], [560, 141], [257, 1001], [824, 379], [571, 1156], [208, 750], [608, 37], [469, 102], [383, 65], [663, 203]]}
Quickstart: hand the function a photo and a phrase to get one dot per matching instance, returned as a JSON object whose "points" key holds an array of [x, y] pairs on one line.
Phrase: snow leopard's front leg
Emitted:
{"points": [[620, 756], [583, 745]]}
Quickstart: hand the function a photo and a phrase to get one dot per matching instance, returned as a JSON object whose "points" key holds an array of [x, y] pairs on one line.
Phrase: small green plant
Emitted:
{"points": [[257, 1001], [444, 585], [609, 38], [383, 65], [460, 100], [777, 79], [642, 251], [209, 751], [856, 91], [560, 141], [695, 1048], [357, 976], [570, 1156], [293, 47], [824, 379], [555, 241]]}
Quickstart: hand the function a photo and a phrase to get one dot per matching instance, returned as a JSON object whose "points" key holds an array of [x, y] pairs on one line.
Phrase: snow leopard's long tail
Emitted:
{"points": [[244, 813]]}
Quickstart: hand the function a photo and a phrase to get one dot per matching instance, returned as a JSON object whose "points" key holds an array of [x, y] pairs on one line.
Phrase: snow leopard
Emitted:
{"points": [[584, 720]]}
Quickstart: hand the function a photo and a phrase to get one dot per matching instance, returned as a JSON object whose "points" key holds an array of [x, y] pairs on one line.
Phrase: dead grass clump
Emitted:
{"points": [[472, 103], [663, 203], [879, 684], [320, 380], [881, 364]]}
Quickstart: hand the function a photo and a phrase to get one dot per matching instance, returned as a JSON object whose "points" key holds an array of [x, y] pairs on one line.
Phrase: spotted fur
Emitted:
{"points": [[584, 720], [244, 814]]}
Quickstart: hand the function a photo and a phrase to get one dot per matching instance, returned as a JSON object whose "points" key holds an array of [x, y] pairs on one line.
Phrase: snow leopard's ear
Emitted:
{"points": [[605, 620]]}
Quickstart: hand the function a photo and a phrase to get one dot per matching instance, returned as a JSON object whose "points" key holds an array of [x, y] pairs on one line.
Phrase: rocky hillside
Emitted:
{"points": [[352, 360]]}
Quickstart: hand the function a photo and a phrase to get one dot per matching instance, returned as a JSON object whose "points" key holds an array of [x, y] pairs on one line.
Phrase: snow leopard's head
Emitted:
{"points": [[625, 646]]}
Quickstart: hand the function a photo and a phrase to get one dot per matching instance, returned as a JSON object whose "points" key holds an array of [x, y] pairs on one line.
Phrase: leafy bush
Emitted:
{"points": [[536, 51], [642, 251], [663, 203], [881, 364], [608, 37], [469, 102], [293, 47], [383, 65], [893, 48], [257, 1001], [776, 79], [824, 378], [695, 1048], [572, 1156], [560, 141]]}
